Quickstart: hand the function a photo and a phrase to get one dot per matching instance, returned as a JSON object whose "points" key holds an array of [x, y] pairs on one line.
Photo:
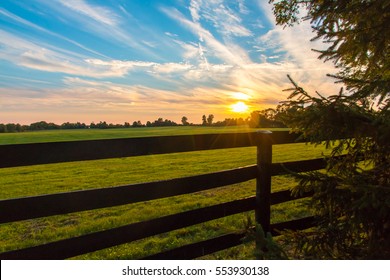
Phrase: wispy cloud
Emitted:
{"points": [[44, 57], [216, 47], [18, 19], [242, 8], [308, 69], [97, 20], [87, 99], [10, 81], [224, 19], [27, 23], [97, 13]]}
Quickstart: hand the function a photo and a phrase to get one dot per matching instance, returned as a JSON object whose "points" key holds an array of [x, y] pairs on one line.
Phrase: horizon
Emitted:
{"points": [[90, 61], [198, 123]]}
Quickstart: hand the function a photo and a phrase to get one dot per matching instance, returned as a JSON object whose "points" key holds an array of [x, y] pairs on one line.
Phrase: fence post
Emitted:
{"points": [[263, 182]]}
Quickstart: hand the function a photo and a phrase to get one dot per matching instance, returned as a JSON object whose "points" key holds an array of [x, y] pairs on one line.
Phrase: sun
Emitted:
{"points": [[239, 107]]}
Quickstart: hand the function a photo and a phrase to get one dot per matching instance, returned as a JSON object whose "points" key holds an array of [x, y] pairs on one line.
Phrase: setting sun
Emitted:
{"points": [[239, 107]]}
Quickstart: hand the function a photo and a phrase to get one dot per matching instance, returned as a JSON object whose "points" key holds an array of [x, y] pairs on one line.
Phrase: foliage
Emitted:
{"points": [[161, 122], [266, 248], [210, 119], [184, 120], [352, 199], [207, 120], [266, 118]]}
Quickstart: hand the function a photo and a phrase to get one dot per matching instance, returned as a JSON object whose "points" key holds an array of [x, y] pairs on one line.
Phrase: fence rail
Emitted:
{"points": [[18, 209]]}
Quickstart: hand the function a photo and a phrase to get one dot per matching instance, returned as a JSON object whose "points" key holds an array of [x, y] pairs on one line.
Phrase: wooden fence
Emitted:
{"points": [[12, 210]]}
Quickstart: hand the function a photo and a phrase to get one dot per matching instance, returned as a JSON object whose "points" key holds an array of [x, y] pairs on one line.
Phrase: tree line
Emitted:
{"points": [[264, 118]]}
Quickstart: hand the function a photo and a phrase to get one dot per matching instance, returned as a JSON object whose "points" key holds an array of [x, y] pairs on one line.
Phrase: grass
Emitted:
{"points": [[92, 134], [53, 178]]}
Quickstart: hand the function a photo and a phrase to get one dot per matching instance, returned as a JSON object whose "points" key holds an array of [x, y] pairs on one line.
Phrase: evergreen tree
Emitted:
{"points": [[352, 199]]}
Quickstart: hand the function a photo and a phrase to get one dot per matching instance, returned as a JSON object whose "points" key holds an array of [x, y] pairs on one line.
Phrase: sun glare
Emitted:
{"points": [[240, 96], [239, 107]]}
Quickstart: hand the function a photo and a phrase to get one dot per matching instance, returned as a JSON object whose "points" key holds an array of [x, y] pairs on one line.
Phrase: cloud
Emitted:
{"points": [[121, 67], [97, 13], [91, 99], [43, 57], [14, 18], [20, 20], [167, 68], [194, 9], [118, 68], [216, 48], [223, 18], [48, 58], [98, 20], [10, 81], [173, 35], [294, 41], [242, 8]]}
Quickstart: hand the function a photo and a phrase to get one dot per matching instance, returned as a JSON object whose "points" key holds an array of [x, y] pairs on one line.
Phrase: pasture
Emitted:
{"points": [[53, 178], [94, 134]]}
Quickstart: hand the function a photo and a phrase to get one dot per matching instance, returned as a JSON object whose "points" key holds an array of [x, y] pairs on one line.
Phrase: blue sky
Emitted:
{"points": [[118, 60]]}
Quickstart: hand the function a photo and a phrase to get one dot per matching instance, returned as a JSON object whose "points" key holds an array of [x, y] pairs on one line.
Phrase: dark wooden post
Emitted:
{"points": [[263, 184]]}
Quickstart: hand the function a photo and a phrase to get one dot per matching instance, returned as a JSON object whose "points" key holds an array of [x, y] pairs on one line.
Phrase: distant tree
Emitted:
{"points": [[204, 120], [42, 125], [3, 128], [169, 123], [12, 127], [230, 122], [66, 125], [184, 120], [267, 118], [241, 121], [102, 125], [254, 119], [77, 125], [137, 124], [161, 122], [210, 119]]}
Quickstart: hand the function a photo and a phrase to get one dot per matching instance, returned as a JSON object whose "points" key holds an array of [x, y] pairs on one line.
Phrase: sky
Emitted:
{"points": [[123, 61]]}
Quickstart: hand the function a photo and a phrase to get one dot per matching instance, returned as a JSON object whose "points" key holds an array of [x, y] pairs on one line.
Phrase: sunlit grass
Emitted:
{"points": [[93, 134]]}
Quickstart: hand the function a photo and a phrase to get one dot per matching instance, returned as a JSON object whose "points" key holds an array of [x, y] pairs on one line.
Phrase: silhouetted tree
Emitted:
{"points": [[210, 119], [204, 120], [184, 120], [267, 118], [137, 124]]}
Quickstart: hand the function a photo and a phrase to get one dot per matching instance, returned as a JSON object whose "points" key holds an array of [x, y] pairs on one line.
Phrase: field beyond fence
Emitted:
{"points": [[61, 204]]}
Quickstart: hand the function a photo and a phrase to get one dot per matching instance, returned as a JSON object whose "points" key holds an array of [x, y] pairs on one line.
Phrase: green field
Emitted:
{"points": [[92, 134], [53, 178]]}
